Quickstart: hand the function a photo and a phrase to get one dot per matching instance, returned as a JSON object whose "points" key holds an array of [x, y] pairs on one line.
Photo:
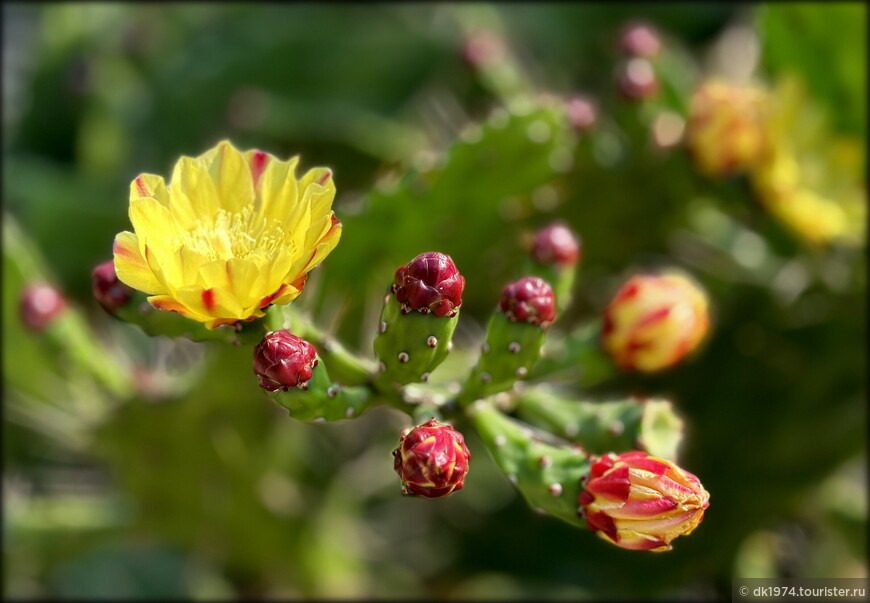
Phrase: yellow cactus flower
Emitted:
{"points": [[808, 179], [232, 233], [655, 320], [726, 128]]}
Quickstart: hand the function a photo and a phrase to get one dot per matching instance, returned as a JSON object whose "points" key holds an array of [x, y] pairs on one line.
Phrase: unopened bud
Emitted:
{"points": [[556, 244], [637, 79], [582, 113], [641, 502], [726, 132], [283, 361], [432, 460], [429, 283], [529, 299], [40, 305], [108, 290], [653, 321], [483, 49], [640, 39]]}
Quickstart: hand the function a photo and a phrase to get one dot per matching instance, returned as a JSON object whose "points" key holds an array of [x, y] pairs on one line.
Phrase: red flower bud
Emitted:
{"points": [[432, 460], [582, 113], [40, 305], [529, 299], [641, 502], [556, 244], [108, 290], [429, 283], [637, 79], [483, 49], [640, 39], [282, 361]]}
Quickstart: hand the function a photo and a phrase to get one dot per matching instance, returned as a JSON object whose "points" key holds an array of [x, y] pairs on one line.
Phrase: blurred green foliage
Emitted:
{"points": [[210, 491]]}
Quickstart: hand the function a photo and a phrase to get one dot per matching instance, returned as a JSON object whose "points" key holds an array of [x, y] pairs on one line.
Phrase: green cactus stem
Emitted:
{"points": [[319, 399], [409, 346], [577, 356], [71, 336], [508, 354], [600, 427], [547, 474]]}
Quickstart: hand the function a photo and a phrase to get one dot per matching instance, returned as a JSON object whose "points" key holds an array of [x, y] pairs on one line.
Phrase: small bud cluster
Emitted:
{"points": [[283, 361], [530, 300], [40, 305], [429, 283], [556, 245], [108, 290], [432, 460]]}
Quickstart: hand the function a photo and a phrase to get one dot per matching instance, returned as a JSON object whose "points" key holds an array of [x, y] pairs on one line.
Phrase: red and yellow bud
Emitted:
{"points": [[429, 283], [726, 131], [108, 289], [432, 460], [40, 305], [283, 361], [653, 321], [529, 299], [641, 502], [556, 245]]}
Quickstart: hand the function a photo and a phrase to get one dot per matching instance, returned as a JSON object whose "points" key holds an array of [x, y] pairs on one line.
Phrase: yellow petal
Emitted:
{"points": [[152, 222], [193, 196], [246, 278], [170, 304], [149, 185], [131, 267], [231, 174], [279, 192]]}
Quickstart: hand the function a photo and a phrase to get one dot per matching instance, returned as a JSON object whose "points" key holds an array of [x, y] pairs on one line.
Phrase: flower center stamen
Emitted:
{"points": [[235, 235]]}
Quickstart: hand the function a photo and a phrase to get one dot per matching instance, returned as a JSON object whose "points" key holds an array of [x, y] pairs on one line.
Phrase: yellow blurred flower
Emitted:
{"points": [[811, 181], [726, 133], [232, 233]]}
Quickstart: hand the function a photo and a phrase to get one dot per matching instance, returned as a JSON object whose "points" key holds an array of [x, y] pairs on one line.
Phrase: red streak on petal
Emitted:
{"points": [[258, 165], [208, 299], [140, 186], [268, 299], [603, 522], [628, 291], [613, 485], [324, 178], [299, 283], [654, 317], [119, 249]]}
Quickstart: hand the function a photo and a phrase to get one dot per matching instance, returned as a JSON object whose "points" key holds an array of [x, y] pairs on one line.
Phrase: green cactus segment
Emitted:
{"points": [[509, 352], [410, 346], [548, 475], [600, 427], [155, 322], [71, 336], [324, 400], [577, 356]]}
